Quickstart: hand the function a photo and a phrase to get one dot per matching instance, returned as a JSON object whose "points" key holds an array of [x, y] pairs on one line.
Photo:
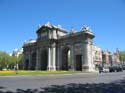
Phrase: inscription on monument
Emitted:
{"points": [[78, 48]]}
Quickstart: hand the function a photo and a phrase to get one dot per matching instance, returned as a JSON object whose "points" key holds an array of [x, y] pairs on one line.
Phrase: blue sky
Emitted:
{"points": [[19, 20]]}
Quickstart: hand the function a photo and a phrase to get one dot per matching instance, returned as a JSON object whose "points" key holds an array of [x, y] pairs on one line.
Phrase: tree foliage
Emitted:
{"points": [[122, 55], [7, 61], [4, 58]]}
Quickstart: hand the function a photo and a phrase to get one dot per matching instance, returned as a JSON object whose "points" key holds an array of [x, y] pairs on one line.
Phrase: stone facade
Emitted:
{"points": [[105, 58], [50, 50], [97, 55], [115, 59]]}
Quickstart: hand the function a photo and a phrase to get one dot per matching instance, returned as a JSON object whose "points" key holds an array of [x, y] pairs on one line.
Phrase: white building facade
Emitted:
{"points": [[50, 50]]}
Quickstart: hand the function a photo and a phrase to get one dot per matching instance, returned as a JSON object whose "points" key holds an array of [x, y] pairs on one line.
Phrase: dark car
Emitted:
{"points": [[123, 67], [111, 69], [115, 69], [118, 68]]}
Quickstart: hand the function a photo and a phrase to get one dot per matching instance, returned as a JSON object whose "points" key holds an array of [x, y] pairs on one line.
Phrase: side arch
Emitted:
{"points": [[66, 62], [33, 61], [44, 59]]}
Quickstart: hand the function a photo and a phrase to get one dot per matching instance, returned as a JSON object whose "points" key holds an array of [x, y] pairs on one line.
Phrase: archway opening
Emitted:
{"points": [[33, 61], [26, 64], [79, 62], [66, 62], [44, 60]]}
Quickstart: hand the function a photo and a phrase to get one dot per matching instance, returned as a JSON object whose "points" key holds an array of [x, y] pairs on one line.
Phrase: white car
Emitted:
{"points": [[4, 69], [105, 69]]}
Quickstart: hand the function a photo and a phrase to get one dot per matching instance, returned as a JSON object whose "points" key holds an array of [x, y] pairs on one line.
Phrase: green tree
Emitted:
{"points": [[122, 57], [7, 61], [4, 59]]}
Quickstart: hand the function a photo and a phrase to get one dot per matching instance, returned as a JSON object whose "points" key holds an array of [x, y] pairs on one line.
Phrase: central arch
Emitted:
{"points": [[66, 62], [78, 62], [44, 59]]}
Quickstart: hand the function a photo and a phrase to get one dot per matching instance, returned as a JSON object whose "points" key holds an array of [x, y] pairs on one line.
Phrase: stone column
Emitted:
{"points": [[58, 58], [38, 59], [84, 56], [87, 63], [24, 63], [49, 59], [53, 58], [29, 67], [92, 66], [72, 57]]}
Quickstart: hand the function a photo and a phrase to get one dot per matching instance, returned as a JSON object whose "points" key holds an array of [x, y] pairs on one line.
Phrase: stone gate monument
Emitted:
{"points": [[50, 51]]}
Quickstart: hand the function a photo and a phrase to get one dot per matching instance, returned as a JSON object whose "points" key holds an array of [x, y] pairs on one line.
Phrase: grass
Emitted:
{"points": [[36, 72]]}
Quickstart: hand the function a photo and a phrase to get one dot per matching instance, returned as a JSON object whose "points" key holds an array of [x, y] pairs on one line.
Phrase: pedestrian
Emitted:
{"points": [[100, 69]]}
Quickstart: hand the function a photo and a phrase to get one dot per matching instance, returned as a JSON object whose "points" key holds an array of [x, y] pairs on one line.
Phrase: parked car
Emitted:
{"points": [[111, 69], [123, 67], [115, 69], [104, 69], [4, 69], [119, 68]]}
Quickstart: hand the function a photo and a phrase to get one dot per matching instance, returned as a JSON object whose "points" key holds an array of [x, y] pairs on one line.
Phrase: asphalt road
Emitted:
{"points": [[85, 82]]}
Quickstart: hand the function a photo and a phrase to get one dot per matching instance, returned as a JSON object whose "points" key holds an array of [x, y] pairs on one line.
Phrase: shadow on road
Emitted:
{"points": [[2, 87], [113, 87]]}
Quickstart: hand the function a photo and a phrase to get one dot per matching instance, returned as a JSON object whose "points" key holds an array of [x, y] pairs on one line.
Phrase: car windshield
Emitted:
{"points": [[105, 67]]}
